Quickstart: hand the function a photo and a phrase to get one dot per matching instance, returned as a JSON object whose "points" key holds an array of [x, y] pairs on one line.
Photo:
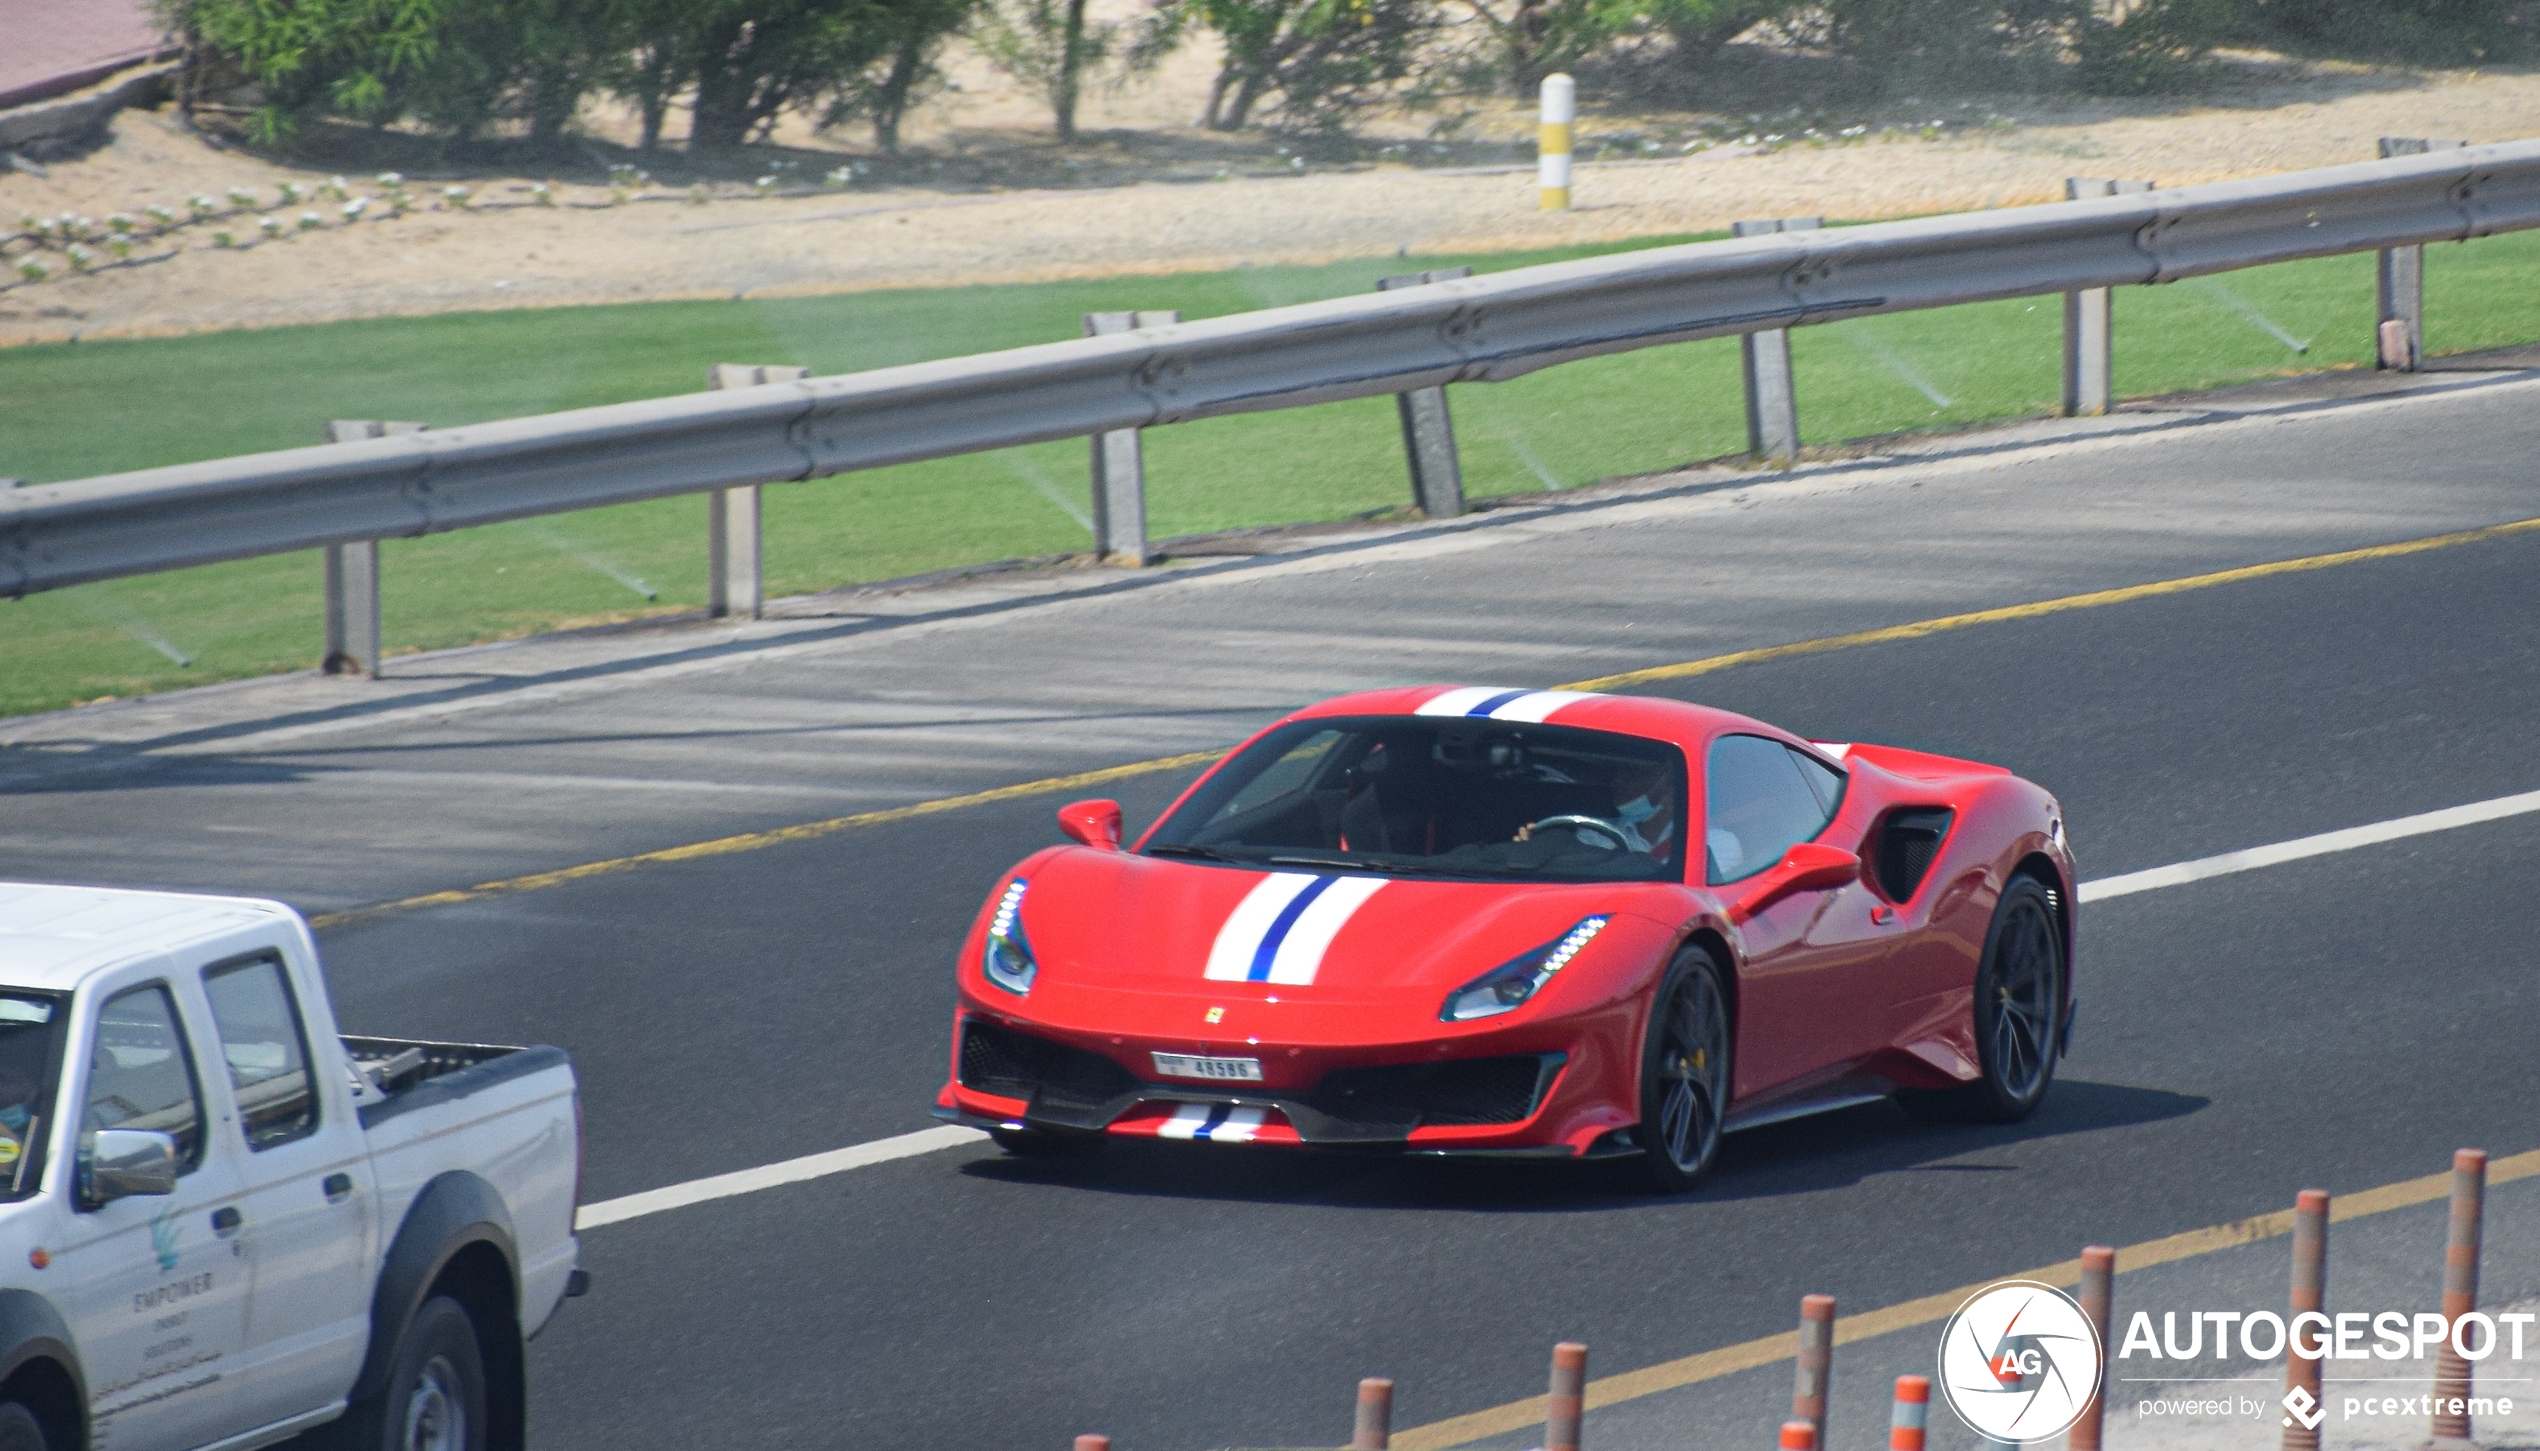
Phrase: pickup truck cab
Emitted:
{"points": [[223, 1225]]}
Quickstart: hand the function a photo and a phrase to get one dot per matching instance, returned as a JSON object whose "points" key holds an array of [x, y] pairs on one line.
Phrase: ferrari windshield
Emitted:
{"points": [[1443, 795]]}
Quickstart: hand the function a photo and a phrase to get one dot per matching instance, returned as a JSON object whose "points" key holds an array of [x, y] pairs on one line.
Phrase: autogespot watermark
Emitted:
{"points": [[2020, 1362]]}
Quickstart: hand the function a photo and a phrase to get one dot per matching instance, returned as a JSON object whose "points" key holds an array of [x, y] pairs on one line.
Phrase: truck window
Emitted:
{"points": [[267, 1053], [141, 1075], [30, 1036]]}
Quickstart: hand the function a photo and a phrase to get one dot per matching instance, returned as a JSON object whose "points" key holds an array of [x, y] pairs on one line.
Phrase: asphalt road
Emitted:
{"points": [[2345, 1020]]}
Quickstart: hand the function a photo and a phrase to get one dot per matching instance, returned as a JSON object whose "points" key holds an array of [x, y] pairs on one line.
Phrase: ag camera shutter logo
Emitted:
{"points": [[2019, 1361]]}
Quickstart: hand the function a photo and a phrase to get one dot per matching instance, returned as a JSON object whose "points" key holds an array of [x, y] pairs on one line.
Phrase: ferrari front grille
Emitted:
{"points": [[1009, 1064], [1460, 1091]]}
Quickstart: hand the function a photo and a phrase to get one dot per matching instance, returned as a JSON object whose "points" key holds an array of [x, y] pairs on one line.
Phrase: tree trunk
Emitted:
{"points": [[1255, 86], [1071, 65], [891, 102], [1217, 97]]}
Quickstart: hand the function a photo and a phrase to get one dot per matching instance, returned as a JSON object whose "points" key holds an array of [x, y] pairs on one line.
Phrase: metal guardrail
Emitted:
{"points": [[1471, 330]]}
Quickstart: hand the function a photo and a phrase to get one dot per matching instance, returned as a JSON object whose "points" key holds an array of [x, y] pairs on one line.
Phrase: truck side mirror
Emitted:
{"points": [[119, 1163]]}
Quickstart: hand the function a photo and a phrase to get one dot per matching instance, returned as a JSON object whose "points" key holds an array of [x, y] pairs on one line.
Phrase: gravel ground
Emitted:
{"points": [[905, 233]]}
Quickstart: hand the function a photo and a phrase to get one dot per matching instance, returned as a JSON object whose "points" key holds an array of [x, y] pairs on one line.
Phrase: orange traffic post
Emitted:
{"points": [[1798, 1436], [1563, 1408], [1905, 1424], [2460, 1294], [2098, 1292], [1093, 1443], [1374, 1431], [1815, 1360], [2302, 1410]]}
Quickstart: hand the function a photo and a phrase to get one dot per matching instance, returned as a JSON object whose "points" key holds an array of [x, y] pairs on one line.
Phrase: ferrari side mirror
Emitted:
{"points": [[1096, 823], [1808, 867]]}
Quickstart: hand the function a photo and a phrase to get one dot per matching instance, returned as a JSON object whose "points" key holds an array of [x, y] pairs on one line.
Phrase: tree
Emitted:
{"points": [[1534, 38], [755, 59], [1322, 59], [1050, 46], [886, 92], [308, 58]]}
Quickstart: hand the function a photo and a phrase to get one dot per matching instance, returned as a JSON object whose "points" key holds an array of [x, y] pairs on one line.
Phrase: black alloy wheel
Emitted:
{"points": [[2019, 1014], [1684, 1075]]}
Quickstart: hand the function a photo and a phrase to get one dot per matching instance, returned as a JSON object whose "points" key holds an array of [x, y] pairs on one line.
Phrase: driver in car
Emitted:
{"points": [[1644, 809]]}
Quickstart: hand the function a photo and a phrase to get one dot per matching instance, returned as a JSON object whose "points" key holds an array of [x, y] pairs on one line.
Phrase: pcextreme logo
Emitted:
{"points": [[2019, 1361]]}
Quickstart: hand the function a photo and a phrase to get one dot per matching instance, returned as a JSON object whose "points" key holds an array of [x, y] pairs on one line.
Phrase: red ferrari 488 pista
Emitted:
{"points": [[1545, 923]]}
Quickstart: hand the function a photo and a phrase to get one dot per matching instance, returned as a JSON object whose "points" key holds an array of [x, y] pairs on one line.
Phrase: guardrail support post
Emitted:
{"points": [[2399, 282], [2089, 354], [1119, 464], [1428, 433], [352, 575], [1772, 403], [735, 582]]}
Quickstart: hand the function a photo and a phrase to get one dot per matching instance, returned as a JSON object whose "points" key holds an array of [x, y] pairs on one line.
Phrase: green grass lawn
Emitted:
{"points": [[72, 410]]}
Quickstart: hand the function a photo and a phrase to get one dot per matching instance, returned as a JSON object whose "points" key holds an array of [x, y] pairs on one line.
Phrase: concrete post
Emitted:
{"points": [[352, 574], [2399, 281], [1428, 433], [2089, 362], [1552, 145], [1772, 403], [735, 582], [1119, 465]]}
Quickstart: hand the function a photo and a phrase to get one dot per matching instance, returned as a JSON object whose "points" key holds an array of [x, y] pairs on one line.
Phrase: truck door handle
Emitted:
{"points": [[225, 1220], [338, 1187]]}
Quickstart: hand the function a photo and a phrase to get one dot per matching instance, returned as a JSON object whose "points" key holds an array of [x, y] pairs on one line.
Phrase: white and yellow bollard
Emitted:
{"points": [[1552, 152]]}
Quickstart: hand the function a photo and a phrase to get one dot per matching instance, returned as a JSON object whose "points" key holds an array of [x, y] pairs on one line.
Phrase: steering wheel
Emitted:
{"points": [[1583, 826]]}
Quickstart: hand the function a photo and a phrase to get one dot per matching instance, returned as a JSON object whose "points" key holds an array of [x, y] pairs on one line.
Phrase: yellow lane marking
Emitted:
{"points": [[753, 841], [1932, 1309], [2091, 601]]}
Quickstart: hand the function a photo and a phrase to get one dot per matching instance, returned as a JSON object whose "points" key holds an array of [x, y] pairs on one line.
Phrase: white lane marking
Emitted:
{"points": [[928, 1141], [768, 1176], [2181, 873], [1300, 953]]}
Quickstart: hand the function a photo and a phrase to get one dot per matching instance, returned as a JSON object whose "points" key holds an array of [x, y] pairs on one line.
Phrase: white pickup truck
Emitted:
{"points": [[221, 1225]]}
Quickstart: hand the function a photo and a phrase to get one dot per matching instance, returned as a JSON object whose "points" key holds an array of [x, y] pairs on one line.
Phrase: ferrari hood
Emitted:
{"points": [[1107, 919]]}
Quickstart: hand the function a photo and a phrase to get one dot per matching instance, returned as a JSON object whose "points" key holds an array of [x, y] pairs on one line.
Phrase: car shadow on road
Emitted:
{"points": [[1801, 1156]]}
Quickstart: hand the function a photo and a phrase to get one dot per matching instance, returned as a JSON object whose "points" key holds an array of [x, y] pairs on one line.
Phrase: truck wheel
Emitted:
{"points": [[19, 1429], [435, 1397]]}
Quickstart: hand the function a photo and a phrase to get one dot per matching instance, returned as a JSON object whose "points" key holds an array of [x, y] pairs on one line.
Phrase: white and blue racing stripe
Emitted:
{"points": [[1284, 925], [1218, 1123], [1493, 703]]}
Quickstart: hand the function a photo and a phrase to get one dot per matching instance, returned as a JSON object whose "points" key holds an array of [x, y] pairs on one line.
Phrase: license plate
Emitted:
{"points": [[1222, 1070]]}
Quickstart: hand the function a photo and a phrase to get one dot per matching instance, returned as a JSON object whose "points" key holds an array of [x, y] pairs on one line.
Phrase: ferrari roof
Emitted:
{"points": [[1641, 715]]}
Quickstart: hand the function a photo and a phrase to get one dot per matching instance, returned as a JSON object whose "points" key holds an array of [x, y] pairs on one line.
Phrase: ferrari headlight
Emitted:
{"points": [[1512, 983], [1008, 957]]}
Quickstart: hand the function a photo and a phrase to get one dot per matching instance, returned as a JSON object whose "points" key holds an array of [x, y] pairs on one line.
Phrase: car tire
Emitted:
{"points": [[1685, 1075], [1043, 1144], [435, 1397], [20, 1430], [2019, 1016]]}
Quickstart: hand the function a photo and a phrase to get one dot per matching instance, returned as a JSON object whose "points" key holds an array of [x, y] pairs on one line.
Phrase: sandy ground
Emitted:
{"points": [[973, 203]]}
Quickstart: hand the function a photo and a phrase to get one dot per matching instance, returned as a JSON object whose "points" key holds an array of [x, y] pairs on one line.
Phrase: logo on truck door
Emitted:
{"points": [[163, 1232]]}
